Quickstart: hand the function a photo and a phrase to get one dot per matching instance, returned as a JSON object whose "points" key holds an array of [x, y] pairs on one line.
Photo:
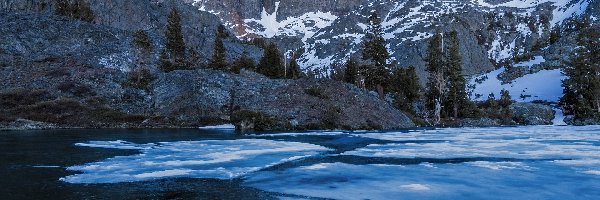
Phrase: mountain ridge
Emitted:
{"points": [[331, 31]]}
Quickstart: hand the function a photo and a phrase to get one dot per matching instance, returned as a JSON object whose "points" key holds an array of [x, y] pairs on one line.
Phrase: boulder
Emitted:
{"points": [[532, 113]]}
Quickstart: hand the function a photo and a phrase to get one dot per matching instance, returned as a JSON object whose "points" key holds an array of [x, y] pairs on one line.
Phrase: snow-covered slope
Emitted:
{"points": [[492, 32], [545, 85]]}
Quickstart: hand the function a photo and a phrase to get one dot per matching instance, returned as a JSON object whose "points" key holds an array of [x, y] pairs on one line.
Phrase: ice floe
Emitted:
{"points": [[536, 162], [222, 159], [522, 143]]}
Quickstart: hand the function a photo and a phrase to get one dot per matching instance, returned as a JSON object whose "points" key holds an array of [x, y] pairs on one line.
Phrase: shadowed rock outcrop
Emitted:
{"points": [[67, 73]]}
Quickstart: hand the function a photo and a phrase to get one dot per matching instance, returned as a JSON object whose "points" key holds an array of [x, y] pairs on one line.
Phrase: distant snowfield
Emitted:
{"points": [[564, 9], [305, 25], [403, 22], [545, 85]]}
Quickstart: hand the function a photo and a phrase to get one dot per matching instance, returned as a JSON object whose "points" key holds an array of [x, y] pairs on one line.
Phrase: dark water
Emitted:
{"points": [[543, 162], [21, 152]]}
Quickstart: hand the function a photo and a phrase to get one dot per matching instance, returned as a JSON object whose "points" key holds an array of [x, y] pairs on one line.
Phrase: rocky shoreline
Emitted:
{"points": [[531, 114]]}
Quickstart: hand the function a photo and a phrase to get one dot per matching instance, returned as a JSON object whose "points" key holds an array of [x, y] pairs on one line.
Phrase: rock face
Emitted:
{"points": [[199, 27], [67, 73], [23, 124], [532, 114], [483, 122], [581, 122], [491, 32], [301, 104]]}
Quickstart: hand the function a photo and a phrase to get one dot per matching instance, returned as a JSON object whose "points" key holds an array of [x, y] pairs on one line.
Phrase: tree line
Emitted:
{"points": [[271, 64], [582, 86], [443, 98]]}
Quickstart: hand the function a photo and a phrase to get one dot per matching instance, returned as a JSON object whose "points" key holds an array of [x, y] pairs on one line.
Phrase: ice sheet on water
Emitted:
{"points": [[500, 165], [310, 133], [577, 147], [117, 144], [511, 180], [223, 159], [535, 142]]}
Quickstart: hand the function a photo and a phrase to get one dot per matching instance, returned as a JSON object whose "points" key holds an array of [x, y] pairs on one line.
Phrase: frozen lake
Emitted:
{"points": [[538, 162]]}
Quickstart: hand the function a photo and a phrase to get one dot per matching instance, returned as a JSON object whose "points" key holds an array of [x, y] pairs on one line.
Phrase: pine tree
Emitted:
{"points": [[194, 59], [505, 99], [491, 101], [243, 62], [141, 42], [218, 60], [504, 103], [174, 38], [412, 87], [351, 71], [436, 84], [406, 88], [375, 51], [555, 34], [293, 71], [77, 9], [271, 64], [62, 7], [582, 86], [166, 64], [222, 32], [85, 12], [457, 99]]}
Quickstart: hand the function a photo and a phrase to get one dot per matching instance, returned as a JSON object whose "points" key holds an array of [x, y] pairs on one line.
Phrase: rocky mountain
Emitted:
{"points": [[60, 72], [51, 63], [517, 34], [493, 33], [150, 15]]}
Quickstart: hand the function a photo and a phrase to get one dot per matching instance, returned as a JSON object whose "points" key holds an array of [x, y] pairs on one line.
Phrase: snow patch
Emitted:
{"points": [[536, 61], [119, 61], [545, 85], [306, 25], [222, 126], [564, 9], [500, 51], [559, 117]]}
